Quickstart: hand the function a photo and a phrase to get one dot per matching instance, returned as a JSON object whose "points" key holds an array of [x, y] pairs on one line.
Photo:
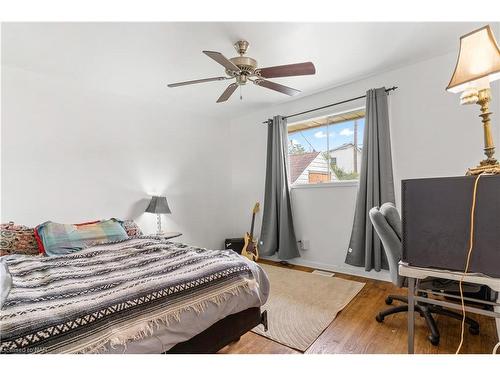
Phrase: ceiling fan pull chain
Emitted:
{"points": [[241, 96]]}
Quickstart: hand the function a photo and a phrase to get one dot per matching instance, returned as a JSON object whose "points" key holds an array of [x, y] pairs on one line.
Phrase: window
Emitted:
{"points": [[326, 149]]}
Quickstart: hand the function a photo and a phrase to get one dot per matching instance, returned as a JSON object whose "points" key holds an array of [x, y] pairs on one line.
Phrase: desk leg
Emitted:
{"points": [[411, 314], [497, 309]]}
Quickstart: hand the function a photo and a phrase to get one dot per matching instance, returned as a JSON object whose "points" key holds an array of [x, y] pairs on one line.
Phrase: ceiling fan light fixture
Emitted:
{"points": [[241, 80]]}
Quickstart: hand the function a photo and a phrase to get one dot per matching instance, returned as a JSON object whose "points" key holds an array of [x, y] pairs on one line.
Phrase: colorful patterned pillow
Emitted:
{"points": [[17, 239], [60, 239], [131, 228]]}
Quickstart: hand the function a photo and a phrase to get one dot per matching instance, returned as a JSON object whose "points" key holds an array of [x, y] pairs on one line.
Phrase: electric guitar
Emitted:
{"points": [[250, 249]]}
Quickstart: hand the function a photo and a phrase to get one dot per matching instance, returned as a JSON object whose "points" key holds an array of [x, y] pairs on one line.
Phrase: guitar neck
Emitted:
{"points": [[253, 222]]}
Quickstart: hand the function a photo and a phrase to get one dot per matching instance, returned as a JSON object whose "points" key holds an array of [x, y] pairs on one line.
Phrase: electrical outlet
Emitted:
{"points": [[304, 244]]}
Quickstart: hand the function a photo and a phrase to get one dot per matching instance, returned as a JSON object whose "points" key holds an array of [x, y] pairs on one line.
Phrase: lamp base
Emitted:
{"points": [[484, 168], [490, 165]]}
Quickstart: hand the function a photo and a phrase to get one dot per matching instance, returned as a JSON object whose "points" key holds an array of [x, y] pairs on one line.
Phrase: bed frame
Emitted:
{"points": [[222, 333]]}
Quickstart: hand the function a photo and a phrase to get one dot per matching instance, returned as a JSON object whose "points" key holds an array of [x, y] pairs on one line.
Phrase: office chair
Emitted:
{"points": [[387, 224]]}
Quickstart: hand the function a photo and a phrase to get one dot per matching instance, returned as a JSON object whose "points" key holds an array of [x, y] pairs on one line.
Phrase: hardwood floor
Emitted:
{"points": [[355, 329]]}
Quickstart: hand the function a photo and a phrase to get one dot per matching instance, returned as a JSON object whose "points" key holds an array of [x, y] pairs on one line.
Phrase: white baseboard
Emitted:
{"points": [[383, 275]]}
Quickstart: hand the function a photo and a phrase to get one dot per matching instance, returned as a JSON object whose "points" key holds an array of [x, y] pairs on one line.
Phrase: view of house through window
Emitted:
{"points": [[326, 149]]}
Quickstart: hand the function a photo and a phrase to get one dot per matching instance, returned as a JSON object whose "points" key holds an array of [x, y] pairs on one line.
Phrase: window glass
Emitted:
{"points": [[327, 149]]}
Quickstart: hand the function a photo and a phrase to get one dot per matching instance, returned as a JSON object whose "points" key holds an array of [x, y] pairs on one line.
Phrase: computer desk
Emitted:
{"points": [[416, 273]]}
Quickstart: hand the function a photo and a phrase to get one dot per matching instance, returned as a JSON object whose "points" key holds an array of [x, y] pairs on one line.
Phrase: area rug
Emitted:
{"points": [[301, 305]]}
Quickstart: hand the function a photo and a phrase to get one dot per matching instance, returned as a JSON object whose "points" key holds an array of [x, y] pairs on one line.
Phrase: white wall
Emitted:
{"points": [[432, 135], [70, 154]]}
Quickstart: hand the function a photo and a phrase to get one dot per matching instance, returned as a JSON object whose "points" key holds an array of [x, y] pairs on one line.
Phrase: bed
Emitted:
{"points": [[139, 295]]}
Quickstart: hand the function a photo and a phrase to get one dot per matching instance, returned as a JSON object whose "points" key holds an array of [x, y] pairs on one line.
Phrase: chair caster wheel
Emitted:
{"points": [[379, 318], [388, 301], [474, 330], [434, 340]]}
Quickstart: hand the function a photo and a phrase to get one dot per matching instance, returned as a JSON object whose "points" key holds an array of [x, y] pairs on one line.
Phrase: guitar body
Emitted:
{"points": [[250, 249]]}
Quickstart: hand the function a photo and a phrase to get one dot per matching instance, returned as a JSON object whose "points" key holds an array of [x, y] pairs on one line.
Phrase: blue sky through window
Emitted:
{"points": [[339, 134]]}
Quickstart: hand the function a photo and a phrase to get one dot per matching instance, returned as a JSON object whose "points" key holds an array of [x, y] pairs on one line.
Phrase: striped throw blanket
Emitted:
{"points": [[112, 293]]}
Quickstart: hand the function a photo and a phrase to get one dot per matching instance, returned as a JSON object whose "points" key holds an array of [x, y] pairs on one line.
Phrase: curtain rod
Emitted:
{"points": [[331, 105]]}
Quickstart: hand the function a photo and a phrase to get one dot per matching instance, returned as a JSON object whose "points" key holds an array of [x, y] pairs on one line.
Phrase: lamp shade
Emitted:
{"points": [[478, 61], [158, 205]]}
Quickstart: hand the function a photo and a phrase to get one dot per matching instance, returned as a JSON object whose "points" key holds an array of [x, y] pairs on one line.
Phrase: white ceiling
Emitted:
{"points": [[139, 59]]}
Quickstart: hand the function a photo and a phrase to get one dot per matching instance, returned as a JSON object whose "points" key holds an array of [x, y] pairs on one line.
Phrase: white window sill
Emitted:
{"points": [[327, 185]]}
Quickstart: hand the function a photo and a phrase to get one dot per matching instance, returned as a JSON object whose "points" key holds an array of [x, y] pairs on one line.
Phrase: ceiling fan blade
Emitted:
{"points": [[196, 81], [300, 69], [276, 87], [227, 92], [221, 59]]}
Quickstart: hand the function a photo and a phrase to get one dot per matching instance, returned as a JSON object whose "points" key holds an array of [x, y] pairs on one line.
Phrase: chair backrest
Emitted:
{"points": [[387, 224]]}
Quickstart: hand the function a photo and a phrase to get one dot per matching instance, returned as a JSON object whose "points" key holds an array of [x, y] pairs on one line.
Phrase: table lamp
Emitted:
{"points": [[158, 205], [478, 64]]}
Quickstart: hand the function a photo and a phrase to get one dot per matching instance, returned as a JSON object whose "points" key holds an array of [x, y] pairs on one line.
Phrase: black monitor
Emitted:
{"points": [[436, 215]]}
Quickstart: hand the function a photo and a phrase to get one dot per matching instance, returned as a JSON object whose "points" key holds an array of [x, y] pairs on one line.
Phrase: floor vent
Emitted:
{"points": [[323, 273]]}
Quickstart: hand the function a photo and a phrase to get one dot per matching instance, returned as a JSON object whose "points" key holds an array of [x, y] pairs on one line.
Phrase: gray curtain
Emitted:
{"points": [[376, 184], [277, 233]]}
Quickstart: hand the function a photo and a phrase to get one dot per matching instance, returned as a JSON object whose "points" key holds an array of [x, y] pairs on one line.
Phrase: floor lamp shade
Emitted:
{"points": [[158, 205]]}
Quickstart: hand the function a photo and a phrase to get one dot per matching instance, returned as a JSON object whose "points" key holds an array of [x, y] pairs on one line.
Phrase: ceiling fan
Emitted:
{"points": [[243, 69]]}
